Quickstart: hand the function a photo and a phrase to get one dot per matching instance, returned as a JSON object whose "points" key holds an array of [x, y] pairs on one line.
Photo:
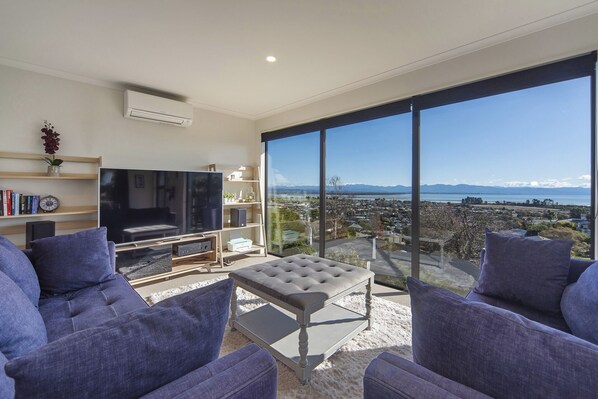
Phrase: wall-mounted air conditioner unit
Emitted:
{"points": [[149, 108]]}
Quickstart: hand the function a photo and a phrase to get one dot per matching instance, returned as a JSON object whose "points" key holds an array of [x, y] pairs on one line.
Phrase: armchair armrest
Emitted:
{"points": [[390, 376], [247, 373]]}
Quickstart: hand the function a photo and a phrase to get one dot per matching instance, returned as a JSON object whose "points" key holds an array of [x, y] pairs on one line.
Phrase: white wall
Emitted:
{"points": [[91, 123], [552, 44]]}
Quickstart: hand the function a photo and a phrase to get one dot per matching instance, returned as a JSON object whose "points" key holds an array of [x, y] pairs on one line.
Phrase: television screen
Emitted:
{"points": [[137, 205]]}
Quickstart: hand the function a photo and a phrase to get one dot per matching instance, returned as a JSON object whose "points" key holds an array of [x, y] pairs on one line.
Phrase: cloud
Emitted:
{"points": [[279, 178], [581, 181]]}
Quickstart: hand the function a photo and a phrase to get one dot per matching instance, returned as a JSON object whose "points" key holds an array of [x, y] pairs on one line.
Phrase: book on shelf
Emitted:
{"points": [[13, 204]]}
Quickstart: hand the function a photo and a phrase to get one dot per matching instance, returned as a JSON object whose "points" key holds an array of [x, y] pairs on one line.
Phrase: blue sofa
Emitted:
{"points": [[482, 347], [102, 340]]}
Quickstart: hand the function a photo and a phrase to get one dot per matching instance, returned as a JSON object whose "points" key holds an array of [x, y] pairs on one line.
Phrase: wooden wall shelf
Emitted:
{"points": [[43, 176], [242, 177], [249, 226], [40, 157], [242, 181], [28, 181], [62, 211], [240, 204]]}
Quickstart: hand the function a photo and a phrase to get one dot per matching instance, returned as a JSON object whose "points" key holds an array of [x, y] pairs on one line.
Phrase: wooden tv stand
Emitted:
{"points": [[180, 264]]}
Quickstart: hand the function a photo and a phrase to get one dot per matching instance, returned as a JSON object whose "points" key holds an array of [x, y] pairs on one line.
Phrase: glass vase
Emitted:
{"points": [[53, 170]]}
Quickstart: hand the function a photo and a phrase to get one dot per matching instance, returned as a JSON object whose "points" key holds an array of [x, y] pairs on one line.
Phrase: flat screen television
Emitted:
{"points": [[137, 205]]}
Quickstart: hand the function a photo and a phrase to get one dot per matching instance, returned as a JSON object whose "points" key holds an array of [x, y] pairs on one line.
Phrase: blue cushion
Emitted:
{"points": [[15, 264], [70, 262], [7, 385], [22, 329], [498, 352], [88, 307], [532, 273], [580, 305], [132, 354]]}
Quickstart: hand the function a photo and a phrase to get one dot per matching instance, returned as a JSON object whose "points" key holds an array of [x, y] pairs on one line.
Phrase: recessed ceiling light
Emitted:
{"points": [[271, 58]]}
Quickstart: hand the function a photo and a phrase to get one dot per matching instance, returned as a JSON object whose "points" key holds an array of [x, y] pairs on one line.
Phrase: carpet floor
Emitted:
{"points": [[341, 375]]}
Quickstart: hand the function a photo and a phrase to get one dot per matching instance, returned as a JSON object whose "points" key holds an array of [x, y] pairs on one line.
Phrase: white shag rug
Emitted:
{"points": [[341, 375]]}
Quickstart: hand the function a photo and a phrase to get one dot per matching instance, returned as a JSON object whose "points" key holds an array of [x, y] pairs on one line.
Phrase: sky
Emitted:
{"points": [[538, 137]]}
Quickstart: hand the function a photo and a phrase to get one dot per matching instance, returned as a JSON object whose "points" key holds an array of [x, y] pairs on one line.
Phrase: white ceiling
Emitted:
{"points": [[212, 53]]}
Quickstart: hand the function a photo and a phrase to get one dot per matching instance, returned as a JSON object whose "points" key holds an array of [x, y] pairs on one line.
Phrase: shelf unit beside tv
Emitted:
{"points": [[237, 178], [71, 217]]}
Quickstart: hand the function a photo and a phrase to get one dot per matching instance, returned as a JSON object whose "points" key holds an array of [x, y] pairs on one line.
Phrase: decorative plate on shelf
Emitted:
{"points": [[49, 203]]}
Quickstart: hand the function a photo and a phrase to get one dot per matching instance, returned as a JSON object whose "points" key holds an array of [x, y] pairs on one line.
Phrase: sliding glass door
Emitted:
{"points": [[368, 196], [517, 163], [292, 196]]}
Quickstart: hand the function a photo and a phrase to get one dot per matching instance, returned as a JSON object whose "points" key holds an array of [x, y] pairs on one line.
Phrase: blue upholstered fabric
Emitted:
{"points": [[249, 372], [391, 377], [580, 305], [89, 307], [131, 355], [7, 385], [111, 251], [17, 266], [550, 319], [498, 352], [22, 329], [531, 273], [70, 262]]}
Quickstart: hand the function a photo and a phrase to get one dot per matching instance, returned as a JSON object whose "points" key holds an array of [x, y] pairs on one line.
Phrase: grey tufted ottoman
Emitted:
{"points": [[306, 326]]}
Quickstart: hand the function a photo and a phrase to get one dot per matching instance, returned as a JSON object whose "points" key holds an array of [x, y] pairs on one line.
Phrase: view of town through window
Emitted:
{"points": [[293, 194], [368, 195], [517, 163]]}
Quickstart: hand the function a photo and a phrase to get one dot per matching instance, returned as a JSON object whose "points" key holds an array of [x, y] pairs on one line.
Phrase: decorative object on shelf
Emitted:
{"points": [[239, 244], [250, 195], [51, 144], [237, 175], [49, 203], [229, 198]]}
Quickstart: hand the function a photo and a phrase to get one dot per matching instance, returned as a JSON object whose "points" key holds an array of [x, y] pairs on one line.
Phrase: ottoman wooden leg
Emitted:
{"points": [[303, 371], [368, 303]]}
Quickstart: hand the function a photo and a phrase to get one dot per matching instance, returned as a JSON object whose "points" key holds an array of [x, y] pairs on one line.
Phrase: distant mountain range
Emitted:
{"points": [[439, 189]]}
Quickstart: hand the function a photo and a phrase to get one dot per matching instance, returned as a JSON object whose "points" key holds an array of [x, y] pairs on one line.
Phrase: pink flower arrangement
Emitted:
{"points": [[51, 143]]}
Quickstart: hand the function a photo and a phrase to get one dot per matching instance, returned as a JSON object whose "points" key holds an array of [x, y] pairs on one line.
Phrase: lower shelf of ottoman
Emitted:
{"points": [[278, 331]]}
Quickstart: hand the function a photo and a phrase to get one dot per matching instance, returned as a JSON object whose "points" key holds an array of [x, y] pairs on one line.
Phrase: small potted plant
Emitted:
{"points": [[51, 141], [229, 198]]}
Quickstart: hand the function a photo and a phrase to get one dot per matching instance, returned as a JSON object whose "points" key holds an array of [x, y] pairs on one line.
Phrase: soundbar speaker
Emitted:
{"points": [[238, 217], [37, 230]]}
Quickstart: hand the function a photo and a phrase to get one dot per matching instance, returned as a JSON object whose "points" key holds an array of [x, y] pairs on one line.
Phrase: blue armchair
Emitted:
{"points": [[483, 346], [102, 340]]}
